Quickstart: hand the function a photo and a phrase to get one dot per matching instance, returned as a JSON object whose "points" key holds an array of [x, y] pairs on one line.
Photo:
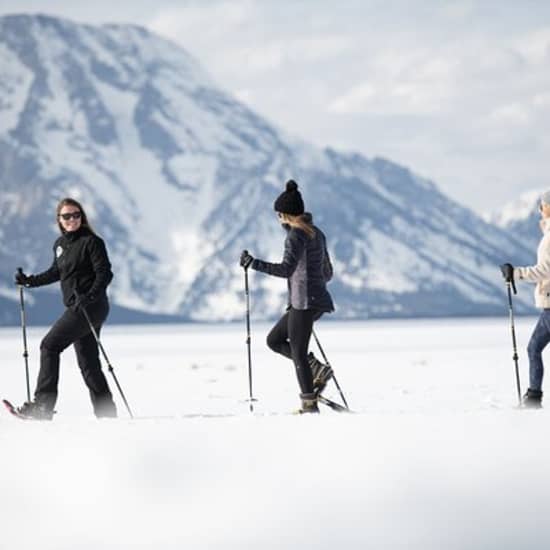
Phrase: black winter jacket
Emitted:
{"points": [[306, 264], [81, 263]]}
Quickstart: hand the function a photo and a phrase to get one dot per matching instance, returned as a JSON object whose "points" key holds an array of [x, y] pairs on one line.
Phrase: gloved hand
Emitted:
{"points": [[507, 272], [82, 301], [246, 259], [22, 279]]}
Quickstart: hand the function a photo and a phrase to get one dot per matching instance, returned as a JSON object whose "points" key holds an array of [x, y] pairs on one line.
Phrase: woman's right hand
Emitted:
{"points": [[22, 279], [246, 259]]}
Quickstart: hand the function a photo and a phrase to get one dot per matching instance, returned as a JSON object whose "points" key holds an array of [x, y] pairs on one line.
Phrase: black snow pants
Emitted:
{"points": [[290, 337], [72, 328]]}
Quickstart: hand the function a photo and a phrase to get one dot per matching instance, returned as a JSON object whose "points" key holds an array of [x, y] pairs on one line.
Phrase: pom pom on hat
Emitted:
{"points": [[291, 185], [290, 201]]}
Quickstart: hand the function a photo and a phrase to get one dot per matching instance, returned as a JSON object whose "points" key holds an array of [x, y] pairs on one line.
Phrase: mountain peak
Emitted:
{"points": [[178, 177]]}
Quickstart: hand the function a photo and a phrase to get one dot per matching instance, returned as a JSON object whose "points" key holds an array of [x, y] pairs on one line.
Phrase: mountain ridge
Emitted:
{"points": [[179, 176]]}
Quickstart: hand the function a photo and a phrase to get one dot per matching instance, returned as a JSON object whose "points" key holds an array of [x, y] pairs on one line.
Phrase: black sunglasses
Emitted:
{"points": [[74, 215]]}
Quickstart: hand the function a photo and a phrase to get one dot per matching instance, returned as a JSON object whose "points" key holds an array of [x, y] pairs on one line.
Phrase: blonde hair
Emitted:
{"points": [[299, 222]]}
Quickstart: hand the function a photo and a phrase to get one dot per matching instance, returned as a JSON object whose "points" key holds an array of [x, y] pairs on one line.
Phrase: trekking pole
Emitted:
{"points": [[333, 375], [109, 366], [24, 327], [248, 341], [510, 285]]}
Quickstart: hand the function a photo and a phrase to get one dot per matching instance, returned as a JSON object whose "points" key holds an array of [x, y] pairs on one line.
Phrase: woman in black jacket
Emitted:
{"points": [[82, 265], [306, 265]]}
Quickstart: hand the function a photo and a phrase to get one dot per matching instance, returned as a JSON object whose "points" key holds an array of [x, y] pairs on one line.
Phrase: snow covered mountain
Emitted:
{"points": [[179, 177], [521, 217]]}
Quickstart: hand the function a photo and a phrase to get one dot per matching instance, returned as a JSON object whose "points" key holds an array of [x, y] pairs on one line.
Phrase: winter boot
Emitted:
{"points": [[532, 399], [106, 412], [309, 403], [321, 373], [104, 406], [34, 410]]}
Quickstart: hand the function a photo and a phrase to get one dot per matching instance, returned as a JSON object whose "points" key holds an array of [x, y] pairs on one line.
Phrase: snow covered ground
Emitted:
{"points": [[436, 458]]}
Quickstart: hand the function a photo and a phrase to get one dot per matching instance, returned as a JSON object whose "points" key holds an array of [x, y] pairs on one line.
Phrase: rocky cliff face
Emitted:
{"points": [[179, 177]]}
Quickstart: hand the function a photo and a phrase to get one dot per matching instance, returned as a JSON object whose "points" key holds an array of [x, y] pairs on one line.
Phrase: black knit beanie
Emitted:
{"points": [[290, 201]]}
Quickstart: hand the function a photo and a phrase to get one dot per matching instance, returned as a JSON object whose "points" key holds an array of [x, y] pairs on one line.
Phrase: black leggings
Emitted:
{"points": [[72, 328], [290, 337]]}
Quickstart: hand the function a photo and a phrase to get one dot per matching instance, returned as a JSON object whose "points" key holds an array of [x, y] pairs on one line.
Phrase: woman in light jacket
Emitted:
{"points": [[539, 274]]}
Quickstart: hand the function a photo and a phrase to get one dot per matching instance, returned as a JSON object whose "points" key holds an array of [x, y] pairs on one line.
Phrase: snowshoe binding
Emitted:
{"points": [[30, 410], [321, 373]]}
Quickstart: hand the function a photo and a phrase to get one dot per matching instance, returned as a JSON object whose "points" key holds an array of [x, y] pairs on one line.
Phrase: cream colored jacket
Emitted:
{"points": [[539, 273]]}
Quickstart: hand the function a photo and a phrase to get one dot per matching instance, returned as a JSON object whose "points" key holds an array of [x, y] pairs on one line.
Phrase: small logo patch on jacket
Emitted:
{"points": [[58, 251]]}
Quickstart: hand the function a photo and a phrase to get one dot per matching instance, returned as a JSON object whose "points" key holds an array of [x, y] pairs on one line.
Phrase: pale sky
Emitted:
{"points": [[458, 91]]}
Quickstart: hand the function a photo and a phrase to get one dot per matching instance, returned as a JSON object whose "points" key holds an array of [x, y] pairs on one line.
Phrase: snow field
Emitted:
{"points": [[436, 458]]}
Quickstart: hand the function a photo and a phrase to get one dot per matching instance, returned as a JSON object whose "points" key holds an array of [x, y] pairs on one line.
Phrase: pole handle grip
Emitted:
{"points": [[20, 272], [245, 252]]}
